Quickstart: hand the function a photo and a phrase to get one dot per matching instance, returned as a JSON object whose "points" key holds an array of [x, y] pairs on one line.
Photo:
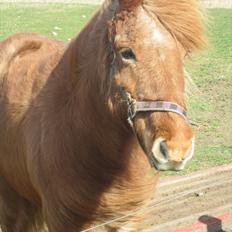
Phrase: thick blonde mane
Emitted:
{"points": [[183, 18]]}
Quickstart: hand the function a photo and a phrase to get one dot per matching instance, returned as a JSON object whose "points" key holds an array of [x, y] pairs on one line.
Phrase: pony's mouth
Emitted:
{"points": [[167, 166], [161, 160]]}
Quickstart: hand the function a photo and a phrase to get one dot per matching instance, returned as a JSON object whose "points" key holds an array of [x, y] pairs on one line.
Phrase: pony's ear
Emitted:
{"points": [[129, 4]]}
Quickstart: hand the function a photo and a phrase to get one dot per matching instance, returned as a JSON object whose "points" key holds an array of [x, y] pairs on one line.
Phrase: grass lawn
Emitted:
{"points": [[211, 105], [61, 21]]}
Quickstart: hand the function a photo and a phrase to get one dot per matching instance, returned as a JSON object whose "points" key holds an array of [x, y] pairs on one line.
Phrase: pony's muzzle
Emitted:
{"points": [[165, 157]]}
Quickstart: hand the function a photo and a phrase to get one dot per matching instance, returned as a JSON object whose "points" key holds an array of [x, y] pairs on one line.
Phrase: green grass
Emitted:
{"points": [[60, 21], [212, 105], [211, 70]]}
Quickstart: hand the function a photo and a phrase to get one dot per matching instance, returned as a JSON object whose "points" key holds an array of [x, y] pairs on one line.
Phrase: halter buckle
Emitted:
{"points": [[131, 107]]}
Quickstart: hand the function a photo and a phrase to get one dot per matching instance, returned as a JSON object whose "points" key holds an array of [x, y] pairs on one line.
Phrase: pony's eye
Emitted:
{"points": [[128, 54]]}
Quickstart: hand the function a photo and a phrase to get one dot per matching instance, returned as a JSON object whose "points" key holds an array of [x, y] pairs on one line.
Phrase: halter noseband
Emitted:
{"points": [[153, 106]]}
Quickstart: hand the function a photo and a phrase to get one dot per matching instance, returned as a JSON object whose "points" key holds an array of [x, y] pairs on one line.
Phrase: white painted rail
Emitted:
{"points": [[206, 3]]}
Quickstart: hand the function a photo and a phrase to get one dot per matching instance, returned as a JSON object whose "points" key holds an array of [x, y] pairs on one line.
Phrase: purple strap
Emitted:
{"points": [[153, 106], [161, 106]]}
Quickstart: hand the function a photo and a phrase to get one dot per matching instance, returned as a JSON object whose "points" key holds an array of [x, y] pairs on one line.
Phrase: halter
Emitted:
{"points": [[151, 106]]}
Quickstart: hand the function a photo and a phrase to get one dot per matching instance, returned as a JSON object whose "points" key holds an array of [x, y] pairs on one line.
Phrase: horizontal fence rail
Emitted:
{"points": [[206, 3], [217, 3]]}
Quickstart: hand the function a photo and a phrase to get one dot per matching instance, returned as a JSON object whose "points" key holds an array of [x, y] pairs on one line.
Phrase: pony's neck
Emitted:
{"points": [[112, 142], [102, 147]]}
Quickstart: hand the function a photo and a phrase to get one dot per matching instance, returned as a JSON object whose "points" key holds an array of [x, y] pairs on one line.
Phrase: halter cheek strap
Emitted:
{"points": [[152, 106]]}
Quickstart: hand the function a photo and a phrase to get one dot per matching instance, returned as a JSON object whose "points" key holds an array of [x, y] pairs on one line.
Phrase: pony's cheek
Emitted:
{"points": [[126, 82], [144, 131]]}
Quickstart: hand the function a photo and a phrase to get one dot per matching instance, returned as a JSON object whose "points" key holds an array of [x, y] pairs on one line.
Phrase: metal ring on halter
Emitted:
{"points": [[131, 104]]}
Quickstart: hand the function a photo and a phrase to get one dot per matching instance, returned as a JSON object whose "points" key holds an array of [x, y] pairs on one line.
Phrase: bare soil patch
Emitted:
{"points": [[198, 202]]}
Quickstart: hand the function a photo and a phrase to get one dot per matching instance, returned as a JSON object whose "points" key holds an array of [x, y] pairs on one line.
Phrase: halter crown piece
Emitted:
{"points": [[153, 106]]}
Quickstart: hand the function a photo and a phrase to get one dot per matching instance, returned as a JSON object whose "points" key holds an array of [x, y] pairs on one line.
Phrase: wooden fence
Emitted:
{"points": [[217, 3], [206, 3]]}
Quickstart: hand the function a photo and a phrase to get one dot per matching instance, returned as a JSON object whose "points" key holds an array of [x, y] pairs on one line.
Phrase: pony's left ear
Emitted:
{"points": [[129, 4]]}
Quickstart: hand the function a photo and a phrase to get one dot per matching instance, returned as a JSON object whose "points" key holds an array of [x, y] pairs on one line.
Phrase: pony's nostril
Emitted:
{"points": [[164, 149]]}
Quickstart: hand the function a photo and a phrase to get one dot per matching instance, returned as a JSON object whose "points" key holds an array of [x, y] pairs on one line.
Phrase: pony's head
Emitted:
{"points": [[150, 39]]}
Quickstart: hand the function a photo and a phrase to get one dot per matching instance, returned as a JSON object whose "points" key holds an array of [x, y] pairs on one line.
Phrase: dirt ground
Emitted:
{"points": [[200, 202]]}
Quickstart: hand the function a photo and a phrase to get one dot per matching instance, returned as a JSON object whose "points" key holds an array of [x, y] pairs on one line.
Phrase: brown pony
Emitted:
{"points": [[68, 156]]}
